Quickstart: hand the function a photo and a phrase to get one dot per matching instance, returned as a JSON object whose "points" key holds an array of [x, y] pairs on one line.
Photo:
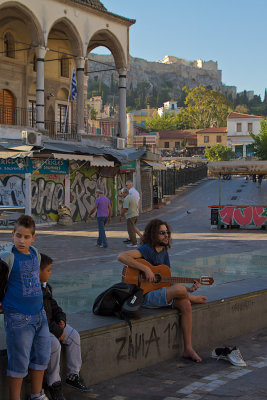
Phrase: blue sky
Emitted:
{"points": [[231, 32]]}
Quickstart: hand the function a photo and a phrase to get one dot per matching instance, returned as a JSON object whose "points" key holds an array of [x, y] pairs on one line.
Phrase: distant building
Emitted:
{"points": [[140, 116], [169, 106], [174, 142], [149, 141], [210, 136], [238, 127]]}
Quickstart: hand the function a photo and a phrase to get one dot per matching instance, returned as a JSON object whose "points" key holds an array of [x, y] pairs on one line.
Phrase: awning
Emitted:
{"points": [[101, 162], [74, 157], [238, 167], [157, 166], [15, 154]]}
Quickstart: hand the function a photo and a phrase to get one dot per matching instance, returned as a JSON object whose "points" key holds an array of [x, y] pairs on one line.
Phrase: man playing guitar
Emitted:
{"points": [[156, 242]]}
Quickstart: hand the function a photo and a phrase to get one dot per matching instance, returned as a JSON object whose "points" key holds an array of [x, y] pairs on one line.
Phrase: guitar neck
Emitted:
{"points": [[173, 279]]}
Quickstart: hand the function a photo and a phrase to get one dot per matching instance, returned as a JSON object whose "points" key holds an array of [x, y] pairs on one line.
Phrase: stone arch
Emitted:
{"points": [[68, 29], [13, 10], [110, 41]]}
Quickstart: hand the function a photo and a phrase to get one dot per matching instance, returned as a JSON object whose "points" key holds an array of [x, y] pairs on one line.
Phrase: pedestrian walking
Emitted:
{"points": [[103, 208], [130, 211], [135, 193]]}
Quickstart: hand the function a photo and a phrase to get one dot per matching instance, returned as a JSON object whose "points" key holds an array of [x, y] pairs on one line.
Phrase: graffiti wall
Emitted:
{"points": [[12, 190], [243, 216], [84, 182], [48, 192]]}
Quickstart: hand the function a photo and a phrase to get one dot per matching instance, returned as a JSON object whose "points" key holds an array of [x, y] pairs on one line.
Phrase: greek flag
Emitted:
{"points": [[73, 85]]}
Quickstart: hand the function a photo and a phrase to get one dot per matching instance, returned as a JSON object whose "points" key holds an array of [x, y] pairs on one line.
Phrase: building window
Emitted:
{"points": [[64, 67], [34, 63], [206, 139], [219, 139], [250, 126], [239, 127], [166, 145], [177, 145], [9, 45], [62, 119], [32, 112]]}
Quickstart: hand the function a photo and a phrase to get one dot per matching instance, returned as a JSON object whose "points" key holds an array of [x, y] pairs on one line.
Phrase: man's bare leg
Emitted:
{"points": [[182, 302], [139, 233]]}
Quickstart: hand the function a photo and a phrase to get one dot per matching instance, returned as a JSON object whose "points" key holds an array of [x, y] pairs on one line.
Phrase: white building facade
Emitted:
{"points": [[238, 127]]}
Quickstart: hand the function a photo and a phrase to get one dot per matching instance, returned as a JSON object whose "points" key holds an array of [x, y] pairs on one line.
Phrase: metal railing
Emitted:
{"points": [[61, 131], [17, 116], [172, 179]]}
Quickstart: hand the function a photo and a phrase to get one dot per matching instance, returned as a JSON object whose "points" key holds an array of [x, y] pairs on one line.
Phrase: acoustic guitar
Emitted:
{"points": [[162, 277]]}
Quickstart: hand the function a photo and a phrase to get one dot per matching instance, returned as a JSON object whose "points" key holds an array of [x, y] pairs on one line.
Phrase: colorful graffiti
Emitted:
{"points": [[83, 185], [253, 215], [12, 190], [48, 192]]}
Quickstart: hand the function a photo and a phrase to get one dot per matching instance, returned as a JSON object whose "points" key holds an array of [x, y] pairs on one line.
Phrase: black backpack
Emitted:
{"points": [[124, 300]]}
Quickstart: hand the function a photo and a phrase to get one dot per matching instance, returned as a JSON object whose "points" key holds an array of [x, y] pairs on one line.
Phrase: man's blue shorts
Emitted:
{"points": [[156, 299], [28, 343]]}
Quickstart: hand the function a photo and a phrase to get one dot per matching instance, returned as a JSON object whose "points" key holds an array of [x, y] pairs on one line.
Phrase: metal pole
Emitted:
{"points": [[220, 189]]}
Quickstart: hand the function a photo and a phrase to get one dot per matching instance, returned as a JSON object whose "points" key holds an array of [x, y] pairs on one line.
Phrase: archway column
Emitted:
{"points": [[40, 55], [122, 103], [80, 62]]}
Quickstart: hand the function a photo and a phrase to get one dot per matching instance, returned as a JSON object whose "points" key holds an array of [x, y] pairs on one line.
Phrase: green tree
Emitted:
{"points": [[204, 108], [260, 141], [166, 122], [93, 114], [218, 152]]}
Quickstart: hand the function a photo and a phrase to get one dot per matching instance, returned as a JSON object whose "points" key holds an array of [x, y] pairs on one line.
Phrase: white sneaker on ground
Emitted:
{"points": [[132, 245], [229, 354], [40, 396]]}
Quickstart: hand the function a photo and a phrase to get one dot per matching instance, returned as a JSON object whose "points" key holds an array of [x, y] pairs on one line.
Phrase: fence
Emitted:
{"points": [[172, 179]]}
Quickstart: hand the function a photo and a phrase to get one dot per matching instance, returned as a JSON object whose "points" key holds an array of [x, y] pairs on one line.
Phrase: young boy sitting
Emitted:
{"points": [[27, 333], [60, 332]]}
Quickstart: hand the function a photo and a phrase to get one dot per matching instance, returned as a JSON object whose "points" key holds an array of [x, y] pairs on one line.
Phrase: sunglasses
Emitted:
{"points": [[163, 233]]}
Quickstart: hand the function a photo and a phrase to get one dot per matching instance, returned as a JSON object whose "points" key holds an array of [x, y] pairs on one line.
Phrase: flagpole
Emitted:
{"points": [[66, 115]]}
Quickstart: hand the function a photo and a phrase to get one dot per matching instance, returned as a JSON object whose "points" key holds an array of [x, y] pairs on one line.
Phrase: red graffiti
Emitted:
{"points": [[243, 216]]}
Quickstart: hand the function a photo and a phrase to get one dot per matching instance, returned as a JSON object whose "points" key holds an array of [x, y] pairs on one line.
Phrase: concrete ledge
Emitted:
{"points": [[110, 349]]}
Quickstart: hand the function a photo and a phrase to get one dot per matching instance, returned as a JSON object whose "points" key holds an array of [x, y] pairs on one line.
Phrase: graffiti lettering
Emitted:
{"points": [[135, 346], [46, 196], [83, 193]]}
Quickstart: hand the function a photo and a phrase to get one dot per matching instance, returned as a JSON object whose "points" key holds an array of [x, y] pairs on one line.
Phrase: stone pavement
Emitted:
{"points": [[182, 379]]}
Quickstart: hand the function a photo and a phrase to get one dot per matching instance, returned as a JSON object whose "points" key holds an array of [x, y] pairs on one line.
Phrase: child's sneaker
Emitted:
{"points": [[55, 391], [40, 396], [74, 380], [229, 354]]}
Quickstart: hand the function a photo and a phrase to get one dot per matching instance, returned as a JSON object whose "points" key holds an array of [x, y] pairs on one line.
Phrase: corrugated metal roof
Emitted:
{"points": [[128, 154]]}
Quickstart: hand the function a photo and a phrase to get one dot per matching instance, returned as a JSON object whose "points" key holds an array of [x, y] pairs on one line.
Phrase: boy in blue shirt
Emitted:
{"points": [[27, 333]]}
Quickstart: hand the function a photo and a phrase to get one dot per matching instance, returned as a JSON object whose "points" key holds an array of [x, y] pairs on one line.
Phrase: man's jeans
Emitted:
{"points": [[102, 239]]}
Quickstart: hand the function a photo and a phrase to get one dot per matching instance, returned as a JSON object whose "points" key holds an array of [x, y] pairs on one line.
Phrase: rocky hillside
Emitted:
{"points": [[176, 74]]}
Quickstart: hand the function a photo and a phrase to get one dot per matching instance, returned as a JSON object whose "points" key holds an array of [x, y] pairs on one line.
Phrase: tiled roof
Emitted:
{"points": [[92, 3], [222, 129], [175, 134], [234, 115]]}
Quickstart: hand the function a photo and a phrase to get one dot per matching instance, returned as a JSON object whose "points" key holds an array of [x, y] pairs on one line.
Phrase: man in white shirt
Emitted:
{"points": [[136, 195]]}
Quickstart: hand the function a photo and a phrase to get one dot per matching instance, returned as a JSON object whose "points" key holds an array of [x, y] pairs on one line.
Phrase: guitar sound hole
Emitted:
{"points": [[157, 278]]}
